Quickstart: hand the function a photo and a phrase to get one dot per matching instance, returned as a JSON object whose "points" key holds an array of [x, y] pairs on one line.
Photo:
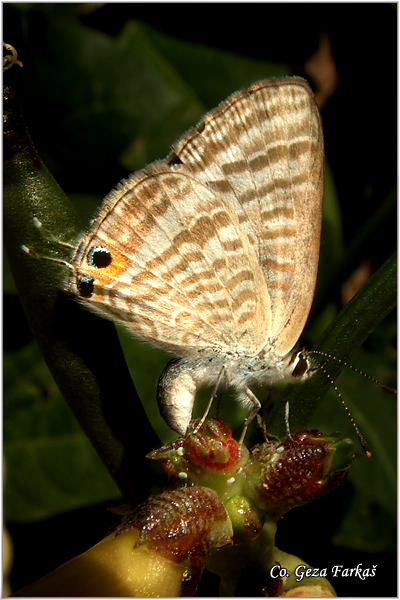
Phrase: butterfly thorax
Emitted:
{"points": [[183, 377]]}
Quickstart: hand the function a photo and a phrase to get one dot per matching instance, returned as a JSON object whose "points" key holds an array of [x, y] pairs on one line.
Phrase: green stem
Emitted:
{"points": [[82, 351]]}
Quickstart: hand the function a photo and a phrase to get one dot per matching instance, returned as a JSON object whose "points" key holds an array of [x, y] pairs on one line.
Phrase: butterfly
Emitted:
{"points": [[212, 253]]}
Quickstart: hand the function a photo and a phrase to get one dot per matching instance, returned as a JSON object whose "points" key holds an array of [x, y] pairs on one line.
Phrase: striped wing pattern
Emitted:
{"points": [[183, 273], [217, 246], [263, 150]]}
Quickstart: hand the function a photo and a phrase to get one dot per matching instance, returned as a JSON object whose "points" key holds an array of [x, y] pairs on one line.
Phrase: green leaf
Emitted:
{"points": [[51, 466], [130, 109], [211, 73]]}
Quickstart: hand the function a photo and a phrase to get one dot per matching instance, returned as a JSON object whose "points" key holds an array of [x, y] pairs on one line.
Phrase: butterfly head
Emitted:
{"points": [[298, 366]]}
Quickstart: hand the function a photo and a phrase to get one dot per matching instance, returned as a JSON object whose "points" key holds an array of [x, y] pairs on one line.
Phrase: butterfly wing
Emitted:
{"points": [[181, 271], [263, 150], [218, 245]]}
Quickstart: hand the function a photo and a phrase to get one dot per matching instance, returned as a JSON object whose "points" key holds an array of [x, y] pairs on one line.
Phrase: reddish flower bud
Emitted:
{"points": [[201, 452], [299, 470]]}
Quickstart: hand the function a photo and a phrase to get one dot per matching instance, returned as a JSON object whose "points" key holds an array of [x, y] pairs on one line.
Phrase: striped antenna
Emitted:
{"points": [[363, 443], [384, 387]]}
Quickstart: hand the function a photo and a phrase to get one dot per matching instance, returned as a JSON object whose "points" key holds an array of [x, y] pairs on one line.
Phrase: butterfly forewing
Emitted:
{"points": [[187, 275]]}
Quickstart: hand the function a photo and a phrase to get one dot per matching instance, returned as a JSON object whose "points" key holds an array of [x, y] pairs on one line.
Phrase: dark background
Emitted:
{"points": [[360, 118], [360, 129]]}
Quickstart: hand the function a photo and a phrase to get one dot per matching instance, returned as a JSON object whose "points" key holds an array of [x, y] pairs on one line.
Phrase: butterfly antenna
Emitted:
{"points": [[363, 443], [345, 364]]}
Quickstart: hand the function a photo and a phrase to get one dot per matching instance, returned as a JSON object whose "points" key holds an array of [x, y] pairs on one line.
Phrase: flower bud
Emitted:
{"points": [[299, 470], [160, 549], [206, 456]]}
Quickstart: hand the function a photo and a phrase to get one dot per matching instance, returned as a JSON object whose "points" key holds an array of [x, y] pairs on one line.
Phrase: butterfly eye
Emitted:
{"points": [[301, 365], [86, 286], [99, 257]]}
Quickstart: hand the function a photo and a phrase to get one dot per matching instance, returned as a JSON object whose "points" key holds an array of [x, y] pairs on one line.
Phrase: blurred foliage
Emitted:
{"points": [[52, 465], [99, 106]]}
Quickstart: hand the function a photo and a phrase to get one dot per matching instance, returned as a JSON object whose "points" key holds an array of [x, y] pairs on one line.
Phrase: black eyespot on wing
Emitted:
{"points": [[86, 286], [99, 257]]}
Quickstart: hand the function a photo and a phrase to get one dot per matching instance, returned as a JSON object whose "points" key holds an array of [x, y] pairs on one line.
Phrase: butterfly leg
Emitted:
{"points": [[222, 374], [287, 418], [249, 396]]}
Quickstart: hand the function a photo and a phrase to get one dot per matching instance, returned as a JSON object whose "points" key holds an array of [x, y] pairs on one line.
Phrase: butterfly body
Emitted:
{"points": [[212, 253]]}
